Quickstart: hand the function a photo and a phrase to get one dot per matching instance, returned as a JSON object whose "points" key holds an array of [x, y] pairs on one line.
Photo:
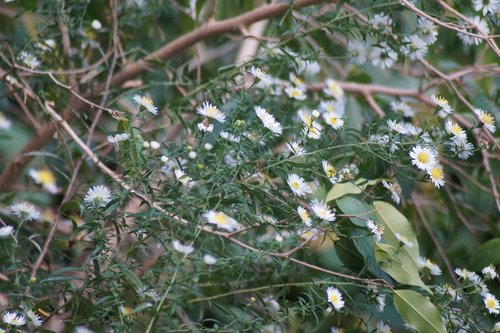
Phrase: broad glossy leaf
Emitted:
{"points": [[342, 189], [418, 312], [488, 253]]}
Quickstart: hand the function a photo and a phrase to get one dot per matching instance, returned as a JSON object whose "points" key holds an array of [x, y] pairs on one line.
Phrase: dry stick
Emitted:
{"points": [[490, 69], [13, 170], [434, 239]]}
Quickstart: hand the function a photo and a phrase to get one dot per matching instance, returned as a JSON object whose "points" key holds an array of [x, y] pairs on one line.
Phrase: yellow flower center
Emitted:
{"points": [[304, 215], [295, 93], [298, 81], [126, 311], [212, 112], [423, 157], [442, 100], [436, 173], [334, 298], [487, 119], [46, 177], [220, 218], [330, 171], [455, 129], [295, 184], [333, 120], [490, 303], [335, 89], [403, 239], [146, 100]]}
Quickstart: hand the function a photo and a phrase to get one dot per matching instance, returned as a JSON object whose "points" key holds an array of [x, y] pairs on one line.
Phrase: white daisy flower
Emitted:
{"points": [[29, 60], [334, 296], [114, 139], [394, 126], [294, 79], [436, 174], [489, 272], [424, 263], [183, 178], [454, 129], [25, 211], [46, 178], [83, 329], [126, 310], [460, 147], [333, 120], [329, 170], [229, 137], [427, 30], [260, 74], [98, 195], [414, 47], [182, 248], [146, 102], [486, 6], [482, 28], [335, 329], [205, 126], [356, 50], [322, 211], [222, 221], [296, 93], [313, 131], [383, 328], [422, 158], [383, 56], [268, 120], [403, 239], [376, 229], [496, 328], [380, 299], [298, 185], [295, 148], [5, 122], [35, 319], [332, 88], [486, 119], [444, 106], [335, 107], [381, 21], [6, 231], [402, 108], [308, 234], [304, 215], [13, 318], [211, 111], [209, 259], [491, 303], [395, 190]]}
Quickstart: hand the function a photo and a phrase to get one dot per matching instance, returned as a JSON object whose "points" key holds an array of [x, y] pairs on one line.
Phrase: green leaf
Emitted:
{"points": [[395, 222], [488, 253], [342, 189], [398, 261], [398, 265], [418, 312], [361, 237]]}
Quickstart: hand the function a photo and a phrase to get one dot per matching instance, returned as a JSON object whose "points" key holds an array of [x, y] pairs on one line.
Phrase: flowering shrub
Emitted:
{"points": [[316, 166]]}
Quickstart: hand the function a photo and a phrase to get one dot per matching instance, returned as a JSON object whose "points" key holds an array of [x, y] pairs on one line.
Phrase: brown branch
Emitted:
{"points": [[13, 170]]}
